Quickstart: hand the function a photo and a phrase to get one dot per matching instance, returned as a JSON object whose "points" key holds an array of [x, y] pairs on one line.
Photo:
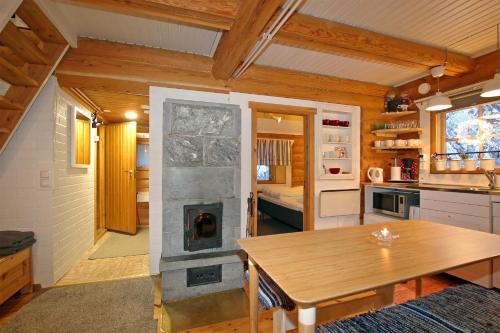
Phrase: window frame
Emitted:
{"points": [[439, 140]]}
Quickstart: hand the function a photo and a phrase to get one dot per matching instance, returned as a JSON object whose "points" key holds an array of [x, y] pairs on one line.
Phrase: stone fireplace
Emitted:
{"points": [[201, 199]]}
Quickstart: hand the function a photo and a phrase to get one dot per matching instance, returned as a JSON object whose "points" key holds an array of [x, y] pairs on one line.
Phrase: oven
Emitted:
{"points": [[395, 203]]}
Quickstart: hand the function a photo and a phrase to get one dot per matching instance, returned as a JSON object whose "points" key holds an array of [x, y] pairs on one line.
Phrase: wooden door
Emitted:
{"points": [[120, 150]]}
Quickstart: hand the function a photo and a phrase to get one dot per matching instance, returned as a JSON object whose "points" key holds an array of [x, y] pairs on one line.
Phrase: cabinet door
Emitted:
{"points": [[479, 273]]}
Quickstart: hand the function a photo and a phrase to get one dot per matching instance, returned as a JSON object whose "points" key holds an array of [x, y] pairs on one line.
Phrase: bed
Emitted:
{"points": [[284, 204]]}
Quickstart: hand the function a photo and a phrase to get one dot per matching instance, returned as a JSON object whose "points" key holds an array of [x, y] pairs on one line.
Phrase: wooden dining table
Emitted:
{"points": [[317, 266]]}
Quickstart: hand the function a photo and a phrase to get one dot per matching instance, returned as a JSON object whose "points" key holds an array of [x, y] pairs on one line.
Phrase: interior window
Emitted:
{"points": [[143, 156], [470, 129]]}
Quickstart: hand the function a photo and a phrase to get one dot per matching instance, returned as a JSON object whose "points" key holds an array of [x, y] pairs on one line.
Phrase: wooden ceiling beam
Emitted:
{"points": [[22, 45], [248, 26], [33, 16], [485, 69], [103, 84], [321, 35], [208, 14], [144, 55], [15, 75], [81, 65]]}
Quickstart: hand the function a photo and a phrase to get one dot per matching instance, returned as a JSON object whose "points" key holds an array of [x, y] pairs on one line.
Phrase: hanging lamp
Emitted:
{"points": [[492, 87], [438, 102]]}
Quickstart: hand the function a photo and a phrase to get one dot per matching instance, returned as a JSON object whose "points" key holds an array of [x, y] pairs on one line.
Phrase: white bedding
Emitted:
{"points": [[293, 203], [282, 191], [286, 196]]}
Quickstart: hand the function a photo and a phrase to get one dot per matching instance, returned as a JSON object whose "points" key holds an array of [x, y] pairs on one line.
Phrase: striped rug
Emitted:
{"points": [[462, 309]]}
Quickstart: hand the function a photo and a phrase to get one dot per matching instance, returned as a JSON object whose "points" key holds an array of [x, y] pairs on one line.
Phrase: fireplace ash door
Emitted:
{"points": [[202, 227]]}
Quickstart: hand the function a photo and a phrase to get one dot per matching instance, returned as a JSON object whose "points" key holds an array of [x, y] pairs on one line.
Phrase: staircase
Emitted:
{"points": [[30, 48]]}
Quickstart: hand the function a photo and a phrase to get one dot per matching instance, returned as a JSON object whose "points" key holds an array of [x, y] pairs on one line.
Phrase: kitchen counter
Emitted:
{"points": [[439, 187]]}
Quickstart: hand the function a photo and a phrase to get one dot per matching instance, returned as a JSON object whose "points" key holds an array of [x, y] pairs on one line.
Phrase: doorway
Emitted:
{"points": [[282, 169]]}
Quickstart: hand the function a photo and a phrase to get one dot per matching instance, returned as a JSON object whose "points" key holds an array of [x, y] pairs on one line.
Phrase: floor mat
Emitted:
{"points": [[118, 306], [122, 245]]}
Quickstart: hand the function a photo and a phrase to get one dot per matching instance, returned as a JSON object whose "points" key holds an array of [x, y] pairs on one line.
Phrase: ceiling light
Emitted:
{"points": [[438, 102], [492, 87], [131, 115]]}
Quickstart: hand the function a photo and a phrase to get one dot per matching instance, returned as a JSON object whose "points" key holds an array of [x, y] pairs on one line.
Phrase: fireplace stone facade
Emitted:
{"points": [[201, 166]]}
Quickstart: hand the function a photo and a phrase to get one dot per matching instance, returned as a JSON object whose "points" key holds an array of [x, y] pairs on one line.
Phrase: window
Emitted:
{"points": [[474, 128], [263, 173]]}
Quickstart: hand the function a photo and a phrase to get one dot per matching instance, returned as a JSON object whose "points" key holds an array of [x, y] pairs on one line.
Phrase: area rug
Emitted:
{"points": [[117, 306], [122, 245]]}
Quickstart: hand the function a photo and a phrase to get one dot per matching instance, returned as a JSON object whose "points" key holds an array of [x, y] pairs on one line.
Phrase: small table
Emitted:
{"points": [[317, 266], [15, 274]]}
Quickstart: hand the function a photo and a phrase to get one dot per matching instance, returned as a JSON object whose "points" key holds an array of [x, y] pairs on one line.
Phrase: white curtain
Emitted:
{"points": [[274, 152]]}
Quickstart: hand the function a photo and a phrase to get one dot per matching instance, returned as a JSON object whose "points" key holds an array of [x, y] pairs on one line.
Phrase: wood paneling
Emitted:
{"points": [[100, 224], [484, 70], [143, 214], [235, 44], [119, 177], [142, 180], [211, 14], [331, 37], [297, 154]]}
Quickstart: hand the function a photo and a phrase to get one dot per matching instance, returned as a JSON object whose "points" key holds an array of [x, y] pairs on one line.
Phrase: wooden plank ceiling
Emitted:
{"points": [[116, 76], [28, 56]]}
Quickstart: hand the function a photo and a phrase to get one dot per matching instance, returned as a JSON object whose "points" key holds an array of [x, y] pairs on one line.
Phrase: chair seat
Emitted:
{"points": [[464, 308], [270, 295]]}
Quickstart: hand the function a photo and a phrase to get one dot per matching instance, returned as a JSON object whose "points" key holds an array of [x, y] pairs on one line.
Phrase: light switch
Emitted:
{"points": [[45, 179]]}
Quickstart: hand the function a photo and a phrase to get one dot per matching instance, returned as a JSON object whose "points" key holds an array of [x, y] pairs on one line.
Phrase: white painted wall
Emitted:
{"points": [[24, 205], [158, 96], [52, 212], [454, 179], [73, 198]]}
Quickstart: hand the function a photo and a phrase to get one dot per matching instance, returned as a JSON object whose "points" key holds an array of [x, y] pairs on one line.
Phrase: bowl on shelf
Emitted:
{"points": [[334, 171]]}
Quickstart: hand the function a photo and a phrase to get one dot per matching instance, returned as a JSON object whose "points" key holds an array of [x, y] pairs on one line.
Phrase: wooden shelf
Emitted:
{"points": [[336, 127], [336, 143], [337, 176], [396, 148], [393, 132], [336, 159], [398, 114]]}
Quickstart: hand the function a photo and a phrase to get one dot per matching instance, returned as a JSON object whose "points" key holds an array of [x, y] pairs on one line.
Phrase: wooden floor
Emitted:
{"points": [[86, 271], [403, 293]]}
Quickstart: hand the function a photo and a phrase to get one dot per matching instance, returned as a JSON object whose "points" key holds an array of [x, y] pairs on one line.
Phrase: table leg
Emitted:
{"points": [[418, 287], [279, 321], [253, 295], [307, 319]]}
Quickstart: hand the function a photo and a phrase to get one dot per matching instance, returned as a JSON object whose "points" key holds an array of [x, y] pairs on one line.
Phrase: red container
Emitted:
{"points": [[334, 171], [334, 122], [326, 121]]}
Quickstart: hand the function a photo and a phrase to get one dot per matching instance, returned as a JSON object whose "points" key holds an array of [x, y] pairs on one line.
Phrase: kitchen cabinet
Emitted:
{"points": [[464, 210]]}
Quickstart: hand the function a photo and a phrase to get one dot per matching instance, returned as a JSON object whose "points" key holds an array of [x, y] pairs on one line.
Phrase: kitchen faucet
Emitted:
{"points": [[490, 174]]}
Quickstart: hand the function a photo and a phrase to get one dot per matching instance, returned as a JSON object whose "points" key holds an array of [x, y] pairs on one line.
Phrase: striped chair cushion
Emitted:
{"points": [[460, 309], [270, 295]]}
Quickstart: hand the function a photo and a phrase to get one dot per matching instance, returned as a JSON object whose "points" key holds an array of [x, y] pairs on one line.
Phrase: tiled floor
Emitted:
{"points": [[107, 269]]}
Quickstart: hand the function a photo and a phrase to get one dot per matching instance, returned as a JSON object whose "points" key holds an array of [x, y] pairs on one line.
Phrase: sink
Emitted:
{"points": [[453, 187]]}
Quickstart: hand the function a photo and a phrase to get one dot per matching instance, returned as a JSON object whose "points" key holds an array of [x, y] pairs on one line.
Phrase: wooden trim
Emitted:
{"points": [[282, 109], [254, 225], [207, 14], [331, 37], [309, 151], [234, 46]]}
